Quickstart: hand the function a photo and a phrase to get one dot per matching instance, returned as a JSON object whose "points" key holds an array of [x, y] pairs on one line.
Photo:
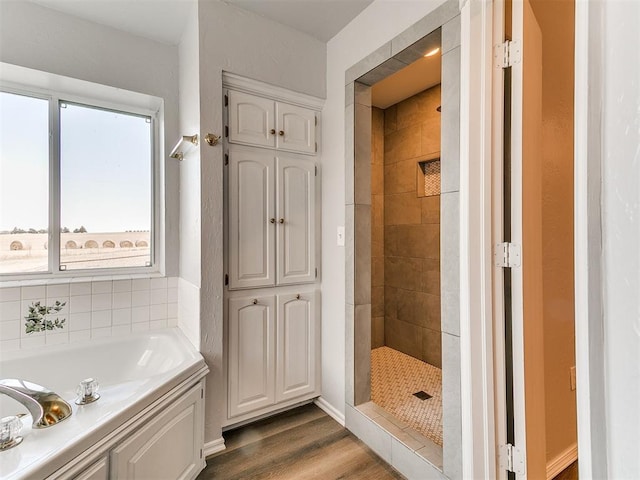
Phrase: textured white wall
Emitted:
{"points": [[36, 37], [376, 25], [190, 211], [246, 44], [621, 234]]}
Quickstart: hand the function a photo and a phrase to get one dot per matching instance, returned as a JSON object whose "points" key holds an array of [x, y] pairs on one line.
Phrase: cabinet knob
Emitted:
{"points": [[298, 297], [281, 220], [281, 133], [272, 220], [255, 301], [272, 131]]}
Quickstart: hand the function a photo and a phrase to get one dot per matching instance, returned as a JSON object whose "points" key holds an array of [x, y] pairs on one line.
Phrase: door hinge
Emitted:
{"points": [[226, 159], [507, 54], [511, 459], [316, 170], [316, 119], [226, 279], [226, 100], [316, 147], [316, 272], [201, 393], [226, 131], [507, 255], [200, 453]]}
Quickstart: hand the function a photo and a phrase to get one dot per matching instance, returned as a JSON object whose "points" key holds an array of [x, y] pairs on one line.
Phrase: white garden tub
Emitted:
{"points": [[133, 372]]}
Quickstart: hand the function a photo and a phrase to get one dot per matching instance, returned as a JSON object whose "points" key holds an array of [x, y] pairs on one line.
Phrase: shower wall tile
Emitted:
{"points": [[377, 331], [362, 346], [402, 209], [403, 144], [450, 263], [92, 309], [412, 310], [362, 172], [430, 209], [450, 156], [400, 177], [403, 336], [451, 406], [451, 34], [432, 347]]}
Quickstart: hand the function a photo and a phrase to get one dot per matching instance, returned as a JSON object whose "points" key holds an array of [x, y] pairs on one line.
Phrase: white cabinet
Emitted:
{"points": [[251, 120], [166, 447], [272, 215], [273, 350], [98, 471], [296, 127], [252, 227], [298, 354], [262, 122], [252, 340]]}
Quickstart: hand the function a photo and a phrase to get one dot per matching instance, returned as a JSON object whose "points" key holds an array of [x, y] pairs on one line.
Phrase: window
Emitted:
{"points": [[76, 186]]}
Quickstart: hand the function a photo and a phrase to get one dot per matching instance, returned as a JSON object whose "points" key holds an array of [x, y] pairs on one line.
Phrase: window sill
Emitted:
{"points": [[58, 280]]}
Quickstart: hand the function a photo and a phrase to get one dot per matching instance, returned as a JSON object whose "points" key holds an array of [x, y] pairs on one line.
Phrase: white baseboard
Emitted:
{"points": [[562, 461], [214, 446], [330, 410]]}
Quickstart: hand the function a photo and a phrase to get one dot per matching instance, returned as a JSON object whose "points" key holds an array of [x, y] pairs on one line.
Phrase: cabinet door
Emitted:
{"points": [[251, 354], [295, 237], [251, 120], [251, 218], [167, 447], [98, 471], [298, 337], [296, 128]]}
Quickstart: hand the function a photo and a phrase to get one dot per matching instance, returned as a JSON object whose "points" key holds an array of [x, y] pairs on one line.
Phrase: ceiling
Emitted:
{"points": [[422, 74], [321, 19], [160, 20], [165, 20]]}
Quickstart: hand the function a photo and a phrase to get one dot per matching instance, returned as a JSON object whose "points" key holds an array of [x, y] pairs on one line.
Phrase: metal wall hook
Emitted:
{"points": [[178, 152], [212, 139]]}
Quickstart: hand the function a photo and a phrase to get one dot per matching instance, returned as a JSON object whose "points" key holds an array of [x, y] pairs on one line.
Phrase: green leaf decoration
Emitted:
{"points": [[36, 320]]}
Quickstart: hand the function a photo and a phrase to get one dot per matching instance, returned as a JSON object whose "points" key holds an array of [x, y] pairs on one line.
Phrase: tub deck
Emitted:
{"points": [[134, 372]]}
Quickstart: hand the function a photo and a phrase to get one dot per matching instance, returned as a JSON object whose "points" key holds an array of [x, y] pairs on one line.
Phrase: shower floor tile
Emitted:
{"points": [[395, 378]]}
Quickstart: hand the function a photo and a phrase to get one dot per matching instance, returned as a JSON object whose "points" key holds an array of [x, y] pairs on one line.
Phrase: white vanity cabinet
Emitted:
{"points": [[273, 348], [263, 122], [163, 441], [168, 446], [98, 471], [271, 219]]}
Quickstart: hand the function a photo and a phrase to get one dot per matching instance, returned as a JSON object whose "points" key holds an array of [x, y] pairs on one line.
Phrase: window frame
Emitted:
{"points": [[55, 98]]}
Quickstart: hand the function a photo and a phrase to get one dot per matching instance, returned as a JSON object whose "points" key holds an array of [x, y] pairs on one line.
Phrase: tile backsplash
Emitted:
{"points": [[93, 309]]}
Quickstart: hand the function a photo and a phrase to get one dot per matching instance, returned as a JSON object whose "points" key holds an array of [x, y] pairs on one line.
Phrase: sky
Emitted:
{"points": [[105, 163]]}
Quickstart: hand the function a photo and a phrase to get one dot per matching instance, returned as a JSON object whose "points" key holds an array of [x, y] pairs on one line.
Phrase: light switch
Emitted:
{"points": [[340, 237]]}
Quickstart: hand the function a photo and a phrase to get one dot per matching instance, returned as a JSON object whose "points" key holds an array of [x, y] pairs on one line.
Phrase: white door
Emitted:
{"points": [[252, 330], [167, 447], [296, 128], [295, 234], [523, 384], [252, 220], [251, 120], [298, 336]]}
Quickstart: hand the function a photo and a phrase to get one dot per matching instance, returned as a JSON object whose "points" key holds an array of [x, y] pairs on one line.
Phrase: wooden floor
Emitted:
{"points": [[303, 443]]}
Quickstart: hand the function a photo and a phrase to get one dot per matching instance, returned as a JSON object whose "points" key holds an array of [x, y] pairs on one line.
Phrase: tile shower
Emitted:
{"points": [[406, 336], [405, 235]]}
